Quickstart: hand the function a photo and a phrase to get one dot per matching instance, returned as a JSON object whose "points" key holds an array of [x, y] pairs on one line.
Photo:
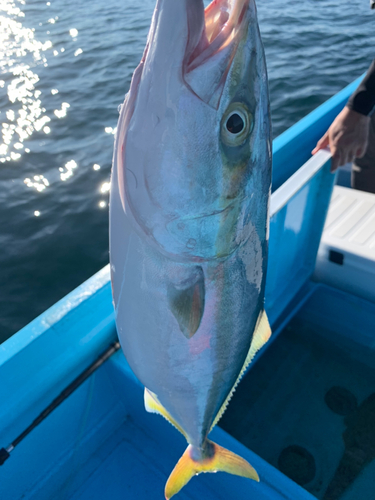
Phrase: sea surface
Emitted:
{"points": [[65, 67]]}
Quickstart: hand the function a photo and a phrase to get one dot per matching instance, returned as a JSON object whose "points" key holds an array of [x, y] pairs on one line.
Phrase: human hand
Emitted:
{"points": [[347, 138]]}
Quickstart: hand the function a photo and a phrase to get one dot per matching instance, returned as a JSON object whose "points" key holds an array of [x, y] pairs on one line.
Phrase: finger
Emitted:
{"points": [[322, 143], [336, 161], [346, 156], [350, 157]]}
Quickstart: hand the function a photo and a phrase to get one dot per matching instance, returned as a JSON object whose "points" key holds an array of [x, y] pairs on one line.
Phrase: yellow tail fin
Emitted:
{"points": [[217, 459]]}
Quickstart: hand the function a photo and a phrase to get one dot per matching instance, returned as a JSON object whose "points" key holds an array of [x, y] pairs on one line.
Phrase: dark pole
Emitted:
{"points": [[5, 452]]}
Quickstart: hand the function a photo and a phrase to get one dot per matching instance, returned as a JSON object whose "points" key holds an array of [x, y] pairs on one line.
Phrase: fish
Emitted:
{"points": [[189, 219]]}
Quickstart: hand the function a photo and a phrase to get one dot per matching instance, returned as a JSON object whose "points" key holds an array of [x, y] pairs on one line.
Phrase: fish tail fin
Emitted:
{"points": [[215, 459]]}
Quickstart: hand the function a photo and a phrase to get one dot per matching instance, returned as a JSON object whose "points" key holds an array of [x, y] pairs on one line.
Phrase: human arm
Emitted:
{"points": [[347, 137], [363, 99]]}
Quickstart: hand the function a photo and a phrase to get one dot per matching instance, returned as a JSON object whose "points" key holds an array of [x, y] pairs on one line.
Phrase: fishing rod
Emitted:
{"points": [[5, 452]]}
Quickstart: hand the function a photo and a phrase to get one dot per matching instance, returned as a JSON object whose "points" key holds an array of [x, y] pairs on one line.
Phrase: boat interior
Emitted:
{"points": [[302, 415]]}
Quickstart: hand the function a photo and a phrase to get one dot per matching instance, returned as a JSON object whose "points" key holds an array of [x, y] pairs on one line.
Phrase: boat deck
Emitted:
{"points": [[102, 444], [307, 406]]}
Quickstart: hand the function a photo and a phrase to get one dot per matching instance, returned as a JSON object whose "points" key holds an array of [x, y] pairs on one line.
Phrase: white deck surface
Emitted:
{"points": [[350, 232]]}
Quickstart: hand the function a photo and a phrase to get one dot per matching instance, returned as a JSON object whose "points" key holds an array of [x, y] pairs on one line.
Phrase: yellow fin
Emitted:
{"points": [[218, 459], [262, 334], [153, 405]]}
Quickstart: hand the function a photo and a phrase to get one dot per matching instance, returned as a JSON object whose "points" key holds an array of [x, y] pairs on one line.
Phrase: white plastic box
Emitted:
{"points": [[346, 257]]}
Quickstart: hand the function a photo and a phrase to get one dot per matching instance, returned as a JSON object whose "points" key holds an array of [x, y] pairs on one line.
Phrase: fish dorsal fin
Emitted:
{"points": [[261, 336], [262, 333], [187, 303], [153, 405]]}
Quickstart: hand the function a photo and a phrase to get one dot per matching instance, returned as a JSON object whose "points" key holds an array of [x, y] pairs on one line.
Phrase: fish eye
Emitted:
{"points": [[237, 124]]}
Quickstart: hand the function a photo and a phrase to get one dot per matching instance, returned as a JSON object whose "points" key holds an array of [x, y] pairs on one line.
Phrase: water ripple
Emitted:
{"points": [[65, 68]]}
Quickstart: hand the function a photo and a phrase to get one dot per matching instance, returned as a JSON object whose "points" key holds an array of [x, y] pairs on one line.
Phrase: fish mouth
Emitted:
{"points": [[201, 42], [213, 38], [222, 22]]}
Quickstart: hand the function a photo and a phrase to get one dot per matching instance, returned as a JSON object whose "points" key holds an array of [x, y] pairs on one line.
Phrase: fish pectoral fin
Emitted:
{"points": [[262, 334], [218, 459], [153, 405], [187, 303]]}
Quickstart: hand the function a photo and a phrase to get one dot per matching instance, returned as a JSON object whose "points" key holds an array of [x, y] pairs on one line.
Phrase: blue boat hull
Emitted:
{"points": [[100, 443]]}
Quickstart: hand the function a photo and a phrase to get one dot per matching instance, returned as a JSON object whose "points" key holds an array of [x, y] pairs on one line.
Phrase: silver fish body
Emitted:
{"points": [[189, 207]]}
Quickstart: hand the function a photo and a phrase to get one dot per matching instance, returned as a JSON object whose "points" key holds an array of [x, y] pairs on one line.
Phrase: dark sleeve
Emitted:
{"points": [[363, 99]]}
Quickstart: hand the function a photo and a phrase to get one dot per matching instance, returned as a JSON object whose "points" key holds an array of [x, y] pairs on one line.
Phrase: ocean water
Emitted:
{"points": [[65, 68]]}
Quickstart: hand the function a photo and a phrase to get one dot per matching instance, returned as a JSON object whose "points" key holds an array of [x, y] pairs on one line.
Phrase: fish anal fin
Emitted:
{"points": [[216, 459], [262, 334], [153, 405]]}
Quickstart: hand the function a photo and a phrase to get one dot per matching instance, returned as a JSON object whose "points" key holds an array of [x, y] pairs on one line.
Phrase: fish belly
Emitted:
{"points": [[191, 371]]}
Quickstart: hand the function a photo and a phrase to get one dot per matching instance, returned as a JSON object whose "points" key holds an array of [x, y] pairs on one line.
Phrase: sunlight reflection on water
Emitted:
{"points": [[68, 170], [39, 182], [26, 114], [65, 67]]}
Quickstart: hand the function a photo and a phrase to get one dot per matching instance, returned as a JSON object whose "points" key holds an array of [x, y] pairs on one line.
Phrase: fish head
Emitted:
{"points": [[193, 147]]}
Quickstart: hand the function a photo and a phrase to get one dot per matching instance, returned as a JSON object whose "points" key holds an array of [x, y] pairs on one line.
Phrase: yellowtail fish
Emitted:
{"points": [[189, 219]]}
